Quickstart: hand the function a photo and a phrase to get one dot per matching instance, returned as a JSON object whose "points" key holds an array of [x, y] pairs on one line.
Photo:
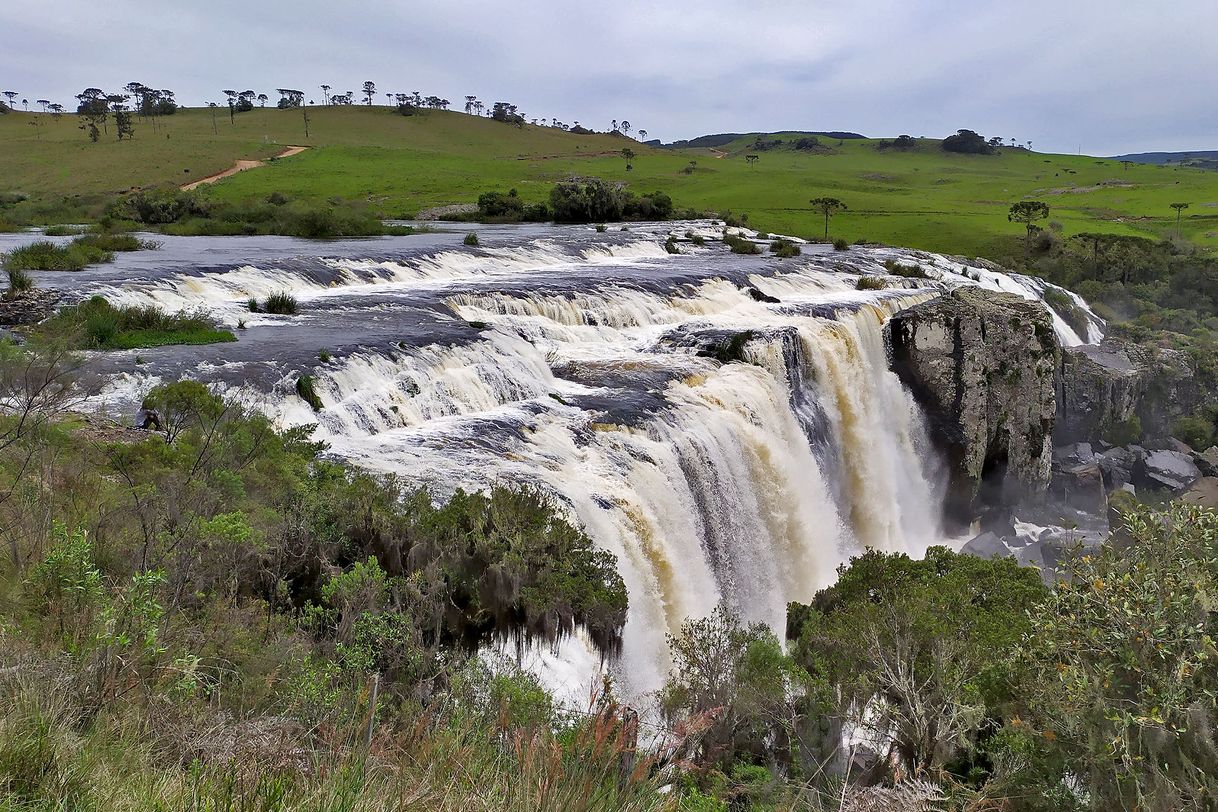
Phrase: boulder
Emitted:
{"points": [[1203, 492], [988, 546], [981, 364], [1120, 392], [1207, 461], [1073, 454], [1118, 465], [1171, 470], [28, 307], [1081, 486]]}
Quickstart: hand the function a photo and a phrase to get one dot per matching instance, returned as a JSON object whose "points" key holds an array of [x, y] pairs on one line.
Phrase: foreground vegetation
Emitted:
{"points": [[214, 616]]}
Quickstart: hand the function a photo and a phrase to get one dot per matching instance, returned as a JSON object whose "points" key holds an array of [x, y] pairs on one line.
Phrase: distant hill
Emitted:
{"points": [[721, 139], [919, 196], [1192, 158]]}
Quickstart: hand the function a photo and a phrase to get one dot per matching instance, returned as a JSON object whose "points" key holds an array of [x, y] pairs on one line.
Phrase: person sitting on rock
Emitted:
{"points": [[148, 419]]}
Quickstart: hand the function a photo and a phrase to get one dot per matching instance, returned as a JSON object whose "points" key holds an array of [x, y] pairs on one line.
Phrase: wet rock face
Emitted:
{"points": [[1119, 392], [28, 307], [982, 366]]}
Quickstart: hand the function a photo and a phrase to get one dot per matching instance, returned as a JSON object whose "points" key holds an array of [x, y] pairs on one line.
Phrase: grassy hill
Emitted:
{"points": [[399, 165]]}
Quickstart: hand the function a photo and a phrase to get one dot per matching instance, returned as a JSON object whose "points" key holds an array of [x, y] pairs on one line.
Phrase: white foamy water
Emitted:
{"points": [[586, 374]]}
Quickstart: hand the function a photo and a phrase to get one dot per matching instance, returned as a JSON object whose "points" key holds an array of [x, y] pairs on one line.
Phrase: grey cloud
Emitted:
{"points": [[1110, 76]]}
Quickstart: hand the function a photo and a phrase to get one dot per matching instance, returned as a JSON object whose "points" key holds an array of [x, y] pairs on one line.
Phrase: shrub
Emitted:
{"points": [[324, 356], [304, 388], [840, 245], [785, 249], [253, 305], [870, 283], [698, 239], [600, 228], [670, 245], [908, 271], [471, 239], [499, 206], [1198, 431], [1063, 304], [587, 201], [280, 304], [1124, 432], [159, 206], [730, 350], [740, 245]]}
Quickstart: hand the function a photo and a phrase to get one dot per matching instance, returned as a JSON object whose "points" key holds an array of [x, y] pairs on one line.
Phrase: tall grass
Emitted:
{"points": [[280, 304], [57, 753], [18, 282], [91, 249], [96, 324]]}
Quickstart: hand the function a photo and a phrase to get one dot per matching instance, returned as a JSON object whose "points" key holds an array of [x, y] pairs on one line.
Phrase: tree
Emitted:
{"points": [[469, 104], [290, 99], [733, 682], [262, 99], [614, 125], [625, 125], [93, 109], [1179, 207], [750, 159], [369, 91], [1028, 212], [123, 125], [1123, 677], [10, 95], [43, 103], [628, 154], [642, 135], [969, 142], [325, 92], [232, 105], [827, 206], [915, 656]]}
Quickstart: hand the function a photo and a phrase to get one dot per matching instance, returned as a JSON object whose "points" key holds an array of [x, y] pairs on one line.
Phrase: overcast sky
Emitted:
{"points": [[1106, 76]]}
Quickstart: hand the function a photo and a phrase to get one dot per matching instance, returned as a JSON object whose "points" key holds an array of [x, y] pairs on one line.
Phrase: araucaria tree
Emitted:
{"points": [[93, 111], [1028, 212], [122, 116], [827, 207], [1179, 207], [369, 91]]}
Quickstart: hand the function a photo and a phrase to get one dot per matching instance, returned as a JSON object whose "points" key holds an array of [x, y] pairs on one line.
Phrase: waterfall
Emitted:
{"points": [[586, 366]]}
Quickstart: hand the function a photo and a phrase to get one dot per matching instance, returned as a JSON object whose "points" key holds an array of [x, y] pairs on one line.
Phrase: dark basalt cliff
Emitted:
{"points": [[982, 365]]}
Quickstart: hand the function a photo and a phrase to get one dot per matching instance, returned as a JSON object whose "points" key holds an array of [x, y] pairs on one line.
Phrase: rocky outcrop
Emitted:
{"points": [[1120, 392], [28, 307], [982, 366]]}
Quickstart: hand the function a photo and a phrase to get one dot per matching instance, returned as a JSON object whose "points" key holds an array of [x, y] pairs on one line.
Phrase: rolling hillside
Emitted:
{"points": [[924, 198]]}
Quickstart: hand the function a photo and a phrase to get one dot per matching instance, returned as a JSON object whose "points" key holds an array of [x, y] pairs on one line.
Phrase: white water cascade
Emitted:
{"points": [[585, 371]]}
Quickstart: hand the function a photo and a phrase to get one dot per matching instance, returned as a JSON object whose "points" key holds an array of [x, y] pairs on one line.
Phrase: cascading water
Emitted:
{"points": [[587, 365]]}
